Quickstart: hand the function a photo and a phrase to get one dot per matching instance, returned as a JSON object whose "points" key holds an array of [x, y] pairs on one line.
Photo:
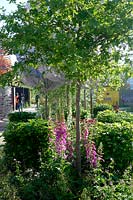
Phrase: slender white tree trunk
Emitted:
{"points": [[78, 151]]}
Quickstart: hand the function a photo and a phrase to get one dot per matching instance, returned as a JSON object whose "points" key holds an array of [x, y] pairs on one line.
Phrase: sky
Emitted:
{"points": [[9, 7]]}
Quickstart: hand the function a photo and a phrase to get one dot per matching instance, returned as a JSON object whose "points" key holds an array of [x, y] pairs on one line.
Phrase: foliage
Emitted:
{"points": [[26, 144], [100, 185], [125, 116], [74, 37], [7, 191], [84, 114], [111, 116], [116, 139], [52, 182], [21, 116], [107, 116], [101, 107], [58, 179], [53, 177]]}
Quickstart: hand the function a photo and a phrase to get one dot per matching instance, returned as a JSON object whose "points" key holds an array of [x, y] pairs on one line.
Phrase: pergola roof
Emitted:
{"points": [[43, 77]]}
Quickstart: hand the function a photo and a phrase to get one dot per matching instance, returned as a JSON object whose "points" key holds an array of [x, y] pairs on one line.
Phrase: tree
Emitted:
{"points": [[82, 39]]}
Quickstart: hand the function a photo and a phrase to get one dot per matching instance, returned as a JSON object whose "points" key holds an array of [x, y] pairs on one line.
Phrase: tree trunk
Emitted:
{"points": [[78, 153], [49, 111], [46, 107], [85, 107], [60, 110], [67, 95], [91, 104], [69, 107], [46, 102]]}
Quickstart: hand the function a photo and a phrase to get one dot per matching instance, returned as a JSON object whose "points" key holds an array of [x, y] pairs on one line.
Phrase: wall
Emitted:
{"points": [[5, 101], [110, 97]]}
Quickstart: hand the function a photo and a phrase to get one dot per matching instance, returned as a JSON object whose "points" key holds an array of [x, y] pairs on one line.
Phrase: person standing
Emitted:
{"points": [[17, 101], [37, 100], [22, 101]]}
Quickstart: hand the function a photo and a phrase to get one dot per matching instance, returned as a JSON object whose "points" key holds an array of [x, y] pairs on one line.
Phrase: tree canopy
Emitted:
{"points": [[80, 38]]}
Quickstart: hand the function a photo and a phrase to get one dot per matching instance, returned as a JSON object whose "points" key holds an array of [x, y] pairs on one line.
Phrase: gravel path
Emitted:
{"points": [[3, 124]]}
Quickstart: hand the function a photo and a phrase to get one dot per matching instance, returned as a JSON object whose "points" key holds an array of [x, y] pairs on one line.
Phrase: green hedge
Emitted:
{"points": [[111, 116], [21, 116], [101, 107], [116, 139], [26, 144]]}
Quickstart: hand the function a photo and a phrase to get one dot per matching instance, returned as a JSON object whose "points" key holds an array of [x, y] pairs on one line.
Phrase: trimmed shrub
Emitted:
{"points": [[21, 116], [107, 116], [111, 116], [101, 107], [125, 116], [26, 144], [116, 139]]}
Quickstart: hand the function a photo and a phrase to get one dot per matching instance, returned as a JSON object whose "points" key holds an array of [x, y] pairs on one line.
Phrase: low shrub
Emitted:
{"points": [[53, 182], [7, 191], [125, 116], [58, 180], [101, 107], [111, 116], [26, 144], [21, 116], [116, 139], [107, 116]]}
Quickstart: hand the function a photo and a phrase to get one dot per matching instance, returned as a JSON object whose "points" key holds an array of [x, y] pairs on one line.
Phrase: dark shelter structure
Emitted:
{"points": [[21, 90]]}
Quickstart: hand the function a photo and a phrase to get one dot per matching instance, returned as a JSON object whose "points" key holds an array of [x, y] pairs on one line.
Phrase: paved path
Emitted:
{"points": [[3, 124]]}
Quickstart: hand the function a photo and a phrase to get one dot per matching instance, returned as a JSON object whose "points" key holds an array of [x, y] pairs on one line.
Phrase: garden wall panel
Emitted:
{"points": [[5, 101]]}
